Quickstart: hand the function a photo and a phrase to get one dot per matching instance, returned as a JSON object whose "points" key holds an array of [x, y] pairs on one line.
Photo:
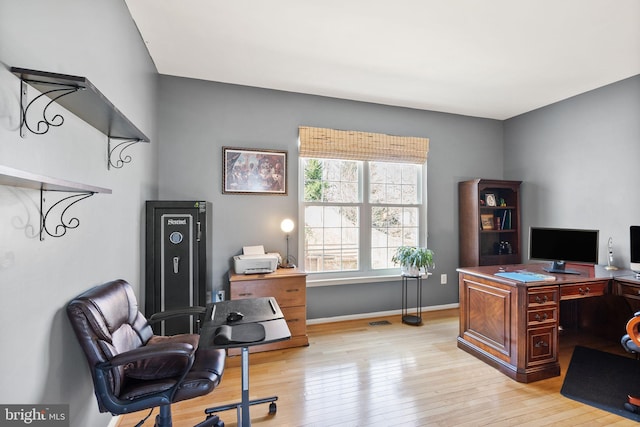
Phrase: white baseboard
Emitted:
{"points": [[114, 421], [360, 316]]}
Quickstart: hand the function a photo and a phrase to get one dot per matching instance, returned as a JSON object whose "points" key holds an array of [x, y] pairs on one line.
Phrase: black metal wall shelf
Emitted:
{"points": [[79, 96], [18, 178]]}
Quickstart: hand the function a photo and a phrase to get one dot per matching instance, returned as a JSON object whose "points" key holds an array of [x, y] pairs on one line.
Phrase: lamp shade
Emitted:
{"points": [[287, 225]]}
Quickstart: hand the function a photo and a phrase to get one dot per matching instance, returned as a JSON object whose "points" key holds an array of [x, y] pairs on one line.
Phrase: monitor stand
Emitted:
{"points": [[559, 267]]}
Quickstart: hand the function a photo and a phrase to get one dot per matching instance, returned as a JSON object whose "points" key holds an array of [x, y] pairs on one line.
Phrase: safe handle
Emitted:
{"points": [[176, 264]]}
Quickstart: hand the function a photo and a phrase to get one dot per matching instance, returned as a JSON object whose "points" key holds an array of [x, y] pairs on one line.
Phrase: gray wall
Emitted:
{"points": [[197, 118], [578, 160], [40, 361]]}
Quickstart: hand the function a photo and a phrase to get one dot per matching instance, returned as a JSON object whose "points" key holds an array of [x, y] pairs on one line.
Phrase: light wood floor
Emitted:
{"points": [[355, 374]]}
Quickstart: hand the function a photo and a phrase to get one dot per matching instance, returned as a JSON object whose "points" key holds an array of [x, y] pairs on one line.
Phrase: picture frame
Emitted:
{"points": [[486, 221], [254, 171], [490, 199]]}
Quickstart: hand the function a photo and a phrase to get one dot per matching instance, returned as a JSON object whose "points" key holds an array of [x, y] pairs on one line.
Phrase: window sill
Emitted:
{"points": [[338, 281]]}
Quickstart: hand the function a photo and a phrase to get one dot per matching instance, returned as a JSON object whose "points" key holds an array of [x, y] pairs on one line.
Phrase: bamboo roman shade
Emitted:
{"points": [[352, 145]]}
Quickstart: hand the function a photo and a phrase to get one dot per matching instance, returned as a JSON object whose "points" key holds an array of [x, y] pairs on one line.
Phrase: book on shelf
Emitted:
{"points": [[505, 219], [526, 276]]}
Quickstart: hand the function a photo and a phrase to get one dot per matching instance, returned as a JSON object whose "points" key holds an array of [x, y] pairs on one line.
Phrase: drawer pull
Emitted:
{"points": [[541, 300], [542, 318], [541, 344], [293, 290], [246, 294], [292, 320], [584, 291]]}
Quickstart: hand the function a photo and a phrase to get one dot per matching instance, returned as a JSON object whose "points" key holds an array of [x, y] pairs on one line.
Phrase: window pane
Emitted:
{"points": [[334, 181], [391, 227], [313, 216], [331, 238], [393, 183]]}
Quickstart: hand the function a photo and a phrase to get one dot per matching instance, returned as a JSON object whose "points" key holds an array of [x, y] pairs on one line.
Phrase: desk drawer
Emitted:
{"points": [[542, 296], [538, 317], [584, 290], [542, 343], [288, 291], [628, 291], [296, 318]]}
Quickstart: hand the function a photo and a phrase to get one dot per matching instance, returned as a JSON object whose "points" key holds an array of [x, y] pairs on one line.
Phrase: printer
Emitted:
{"points": [[254, 261]]}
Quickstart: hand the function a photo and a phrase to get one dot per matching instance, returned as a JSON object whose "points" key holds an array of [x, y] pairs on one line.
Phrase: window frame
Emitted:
{"points": [[365, 273]]}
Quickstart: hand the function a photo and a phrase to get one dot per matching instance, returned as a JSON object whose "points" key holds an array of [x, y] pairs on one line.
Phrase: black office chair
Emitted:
{"points": [[132, 368], [631, 342]]}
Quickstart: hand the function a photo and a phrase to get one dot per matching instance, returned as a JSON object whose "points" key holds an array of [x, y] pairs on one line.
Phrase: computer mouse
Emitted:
{"points": [[234, 316]]}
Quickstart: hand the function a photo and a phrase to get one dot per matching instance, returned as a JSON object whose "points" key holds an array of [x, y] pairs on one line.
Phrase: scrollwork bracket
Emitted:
{"points": [[115, 152], [58, 228], [48, 120]]}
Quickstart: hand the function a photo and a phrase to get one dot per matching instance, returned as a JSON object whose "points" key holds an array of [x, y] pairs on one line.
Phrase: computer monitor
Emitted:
{"points": [[635, 248], [561, 245]]}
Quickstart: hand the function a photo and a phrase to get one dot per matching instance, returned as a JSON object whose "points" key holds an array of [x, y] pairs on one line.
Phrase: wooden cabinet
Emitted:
{"points": [[489, 222], [289, 288]]}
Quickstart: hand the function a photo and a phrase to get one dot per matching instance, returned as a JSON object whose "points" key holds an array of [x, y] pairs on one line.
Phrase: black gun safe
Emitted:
{"points": [[176, 253]]}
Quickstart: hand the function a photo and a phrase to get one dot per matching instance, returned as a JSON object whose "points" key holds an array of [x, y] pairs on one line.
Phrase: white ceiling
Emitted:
{"points": [[485, 58]]}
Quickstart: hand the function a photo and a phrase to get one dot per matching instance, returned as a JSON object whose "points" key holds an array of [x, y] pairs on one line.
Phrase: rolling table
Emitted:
{"points": [[261, 311]]}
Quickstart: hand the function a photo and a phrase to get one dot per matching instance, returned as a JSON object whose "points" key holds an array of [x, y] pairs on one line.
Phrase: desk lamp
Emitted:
{"points": [[287, 226]]}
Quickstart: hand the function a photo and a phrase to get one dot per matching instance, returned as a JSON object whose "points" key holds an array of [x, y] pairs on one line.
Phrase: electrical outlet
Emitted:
{"points": [[443, 279], [219, 296]]}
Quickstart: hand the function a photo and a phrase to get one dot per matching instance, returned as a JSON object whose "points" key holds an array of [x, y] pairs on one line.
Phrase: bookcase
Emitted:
{"points": [[489, 222]]}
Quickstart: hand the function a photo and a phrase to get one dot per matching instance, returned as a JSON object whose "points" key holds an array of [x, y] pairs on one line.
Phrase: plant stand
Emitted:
{"points": [[412, 319]]}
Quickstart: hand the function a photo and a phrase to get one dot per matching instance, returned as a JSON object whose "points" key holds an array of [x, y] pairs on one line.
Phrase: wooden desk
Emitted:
{"points": [[513, 325], [289, 287]]}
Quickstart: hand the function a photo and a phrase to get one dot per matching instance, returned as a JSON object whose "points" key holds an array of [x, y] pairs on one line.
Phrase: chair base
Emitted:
{"points": [[163, 419], [211, 421]]}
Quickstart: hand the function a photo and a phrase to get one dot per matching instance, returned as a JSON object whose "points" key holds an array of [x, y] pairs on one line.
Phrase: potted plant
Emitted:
{"points": [[414, 261]]}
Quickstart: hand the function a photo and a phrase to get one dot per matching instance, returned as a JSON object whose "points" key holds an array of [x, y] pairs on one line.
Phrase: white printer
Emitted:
{"points": [[253, 261]]}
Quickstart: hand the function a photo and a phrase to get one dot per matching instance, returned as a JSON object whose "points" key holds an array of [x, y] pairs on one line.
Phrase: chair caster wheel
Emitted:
{"points": [[272, 408], [219, 422], [631, 408]]}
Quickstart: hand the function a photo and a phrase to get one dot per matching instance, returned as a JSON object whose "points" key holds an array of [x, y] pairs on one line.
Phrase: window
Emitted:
{"points": [[356, 213], [361, 198]]}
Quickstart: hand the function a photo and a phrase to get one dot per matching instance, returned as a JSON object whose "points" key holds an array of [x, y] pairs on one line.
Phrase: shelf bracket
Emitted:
{"points": [[58, 228], [48, 120], [115, 152]]}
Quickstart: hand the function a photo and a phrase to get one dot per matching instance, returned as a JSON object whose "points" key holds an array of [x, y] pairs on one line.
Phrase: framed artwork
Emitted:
{"points": [[490, 199], [254, 171], [486, 221]]}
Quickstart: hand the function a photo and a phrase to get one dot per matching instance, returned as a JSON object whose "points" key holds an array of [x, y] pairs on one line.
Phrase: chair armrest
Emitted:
{"points": [[632, 329], [104, 385], [178, 312], [150, 352]]}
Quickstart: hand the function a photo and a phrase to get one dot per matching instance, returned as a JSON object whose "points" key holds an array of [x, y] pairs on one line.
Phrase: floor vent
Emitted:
{"points": [[380, 323]]}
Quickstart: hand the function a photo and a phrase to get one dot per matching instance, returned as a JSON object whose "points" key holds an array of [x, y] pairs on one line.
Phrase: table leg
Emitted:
{"points": [[244, 418]]}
